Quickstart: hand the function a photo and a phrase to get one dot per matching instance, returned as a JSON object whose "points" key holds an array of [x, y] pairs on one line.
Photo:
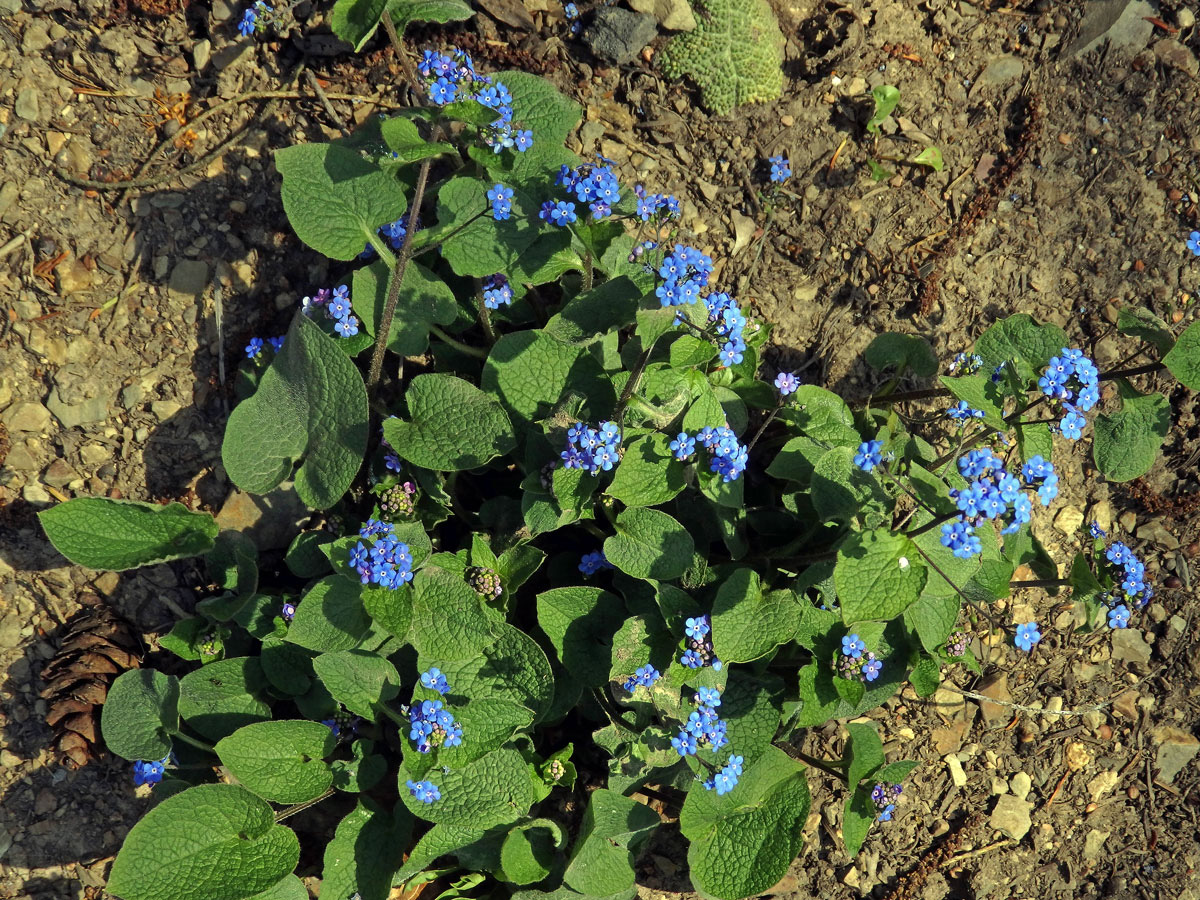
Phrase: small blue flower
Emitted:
{"points": [[786, 383], [683, 446], [288, 611], [149, 771], [1193, 243], [853, 646], [708, 696], [696, 628], [692, 659], [1118, 616], [522, 140], [276, 343], [501, 199], [1071, 426], [249, 23], [571, 11], [563, 213], [254, 348], [684, 743], [1027, 636], [593, 562], [871, 668], [781, 169], [442, 92], [347, 327], [869, 455], [435, 680], [1096, 531], [425, 791]]}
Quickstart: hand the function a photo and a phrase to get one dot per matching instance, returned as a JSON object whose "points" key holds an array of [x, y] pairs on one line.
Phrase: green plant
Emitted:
{"points": [[887, 98], [735, 54], [665, 600]]}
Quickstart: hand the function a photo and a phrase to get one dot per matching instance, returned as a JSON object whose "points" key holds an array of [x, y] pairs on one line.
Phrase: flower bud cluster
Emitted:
{"points": [[856, 662], [398, 501], [884, 796], [483, 581], [433, 726]]}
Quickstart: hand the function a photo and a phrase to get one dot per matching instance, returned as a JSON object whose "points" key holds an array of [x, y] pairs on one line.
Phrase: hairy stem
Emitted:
{"points": [[477, 352], [195, 742]]}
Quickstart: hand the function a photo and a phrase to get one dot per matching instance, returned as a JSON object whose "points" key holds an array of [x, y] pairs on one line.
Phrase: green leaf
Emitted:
{"points": [[858, 816], [823, 416], [931, 157], [232, 564], [287, 666], [1127, 442], [290, 888], [480, 245], [872, 582], [304, 558], [312, 405], [124, 534], [688, 350], [581, 622], [358, 680], [330, 616], [796, 460], [981, 393], [404, 140], [1184, 359], [589, 315], [354, 21], [747, 623], [879, 172], [933, 617], [140, 714], [649, 544], [925, 676], [212, 842], [751, 706], [454, 425], [449, 621], [886, 98], [511, 666], [1019, 337], [864, 752], [1141, 323], [841, 490], [364, 853], [437, 841], [493, 790], [280, 761], [335, 199], [362, 772], [424, 299], [743, 842], [223, 696], [1035, 439], [613, 829], [470, 111], [528, 851], [528, 372], [648, 474], [540, 107], [903, 352]]}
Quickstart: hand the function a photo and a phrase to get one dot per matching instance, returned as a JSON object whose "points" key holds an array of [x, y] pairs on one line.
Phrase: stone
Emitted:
{"points": [[1102, 515], [1094, 843], [995, 687], [618, 35], [1129, 646], [28, 104], [957, 775], [1102, 784], [22, 459], [94, 454], [1176, 55], [132, 395], [73, 276], [1156, 532], [1068, 520], [59, 474], [1176, 748], [1020, 784], [33, 492], [271, 520], [9, 760], [10, 631], [949, 739], [27, 416], [72, 415], [164, 409], [1123, 23], [1000, 71], [201, 53], [948, 704], [1011, 816], [36, 38], [673, 15], [188, 278]]}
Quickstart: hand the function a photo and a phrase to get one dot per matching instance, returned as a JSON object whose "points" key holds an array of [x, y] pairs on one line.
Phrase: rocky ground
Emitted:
{"points": [[122, 315]]}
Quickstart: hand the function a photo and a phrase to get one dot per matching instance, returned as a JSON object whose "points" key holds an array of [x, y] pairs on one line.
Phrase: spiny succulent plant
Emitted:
{"points": [[735, 54]]}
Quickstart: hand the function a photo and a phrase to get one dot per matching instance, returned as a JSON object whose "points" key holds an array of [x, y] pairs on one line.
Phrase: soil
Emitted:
{"points": [[123, 315]]}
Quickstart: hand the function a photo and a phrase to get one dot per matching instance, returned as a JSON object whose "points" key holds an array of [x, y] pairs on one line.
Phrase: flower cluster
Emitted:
{"points": [[433, 726], [1027, 635], [727, 319], [337, 307], [387, 561], [726, 455], [644, 677], [966, 364], [961, 412], [391, 459], [781, 169], [956, 643], [501, 199], [856, 662], [591, 563], [425, 791], [699, 652], [704, 727], [1128, 574], [594, 185], [398, 501], [1073, 381], [684, 272], [150, 771], [483, 581], [435, 681], [884, 796], [993, 493], [453, 77], [254, 349], [342, 724], [254, 18], [571, 11], [497, 292], [592, 449], [660, 207], [727, 778], [786, 383]]}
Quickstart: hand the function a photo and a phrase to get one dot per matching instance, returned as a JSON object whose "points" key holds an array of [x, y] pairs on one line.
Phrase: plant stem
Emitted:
{"points": [[300, 807], [485, 318], [588, 274], [763, 427], [188, 739], [631, 385], [611, 710], [825, 765], [410, 73], [477, 352], [391, 714]]}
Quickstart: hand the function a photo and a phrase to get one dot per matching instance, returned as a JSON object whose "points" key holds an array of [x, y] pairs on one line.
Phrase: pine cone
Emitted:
{"points": [[97, 646]]}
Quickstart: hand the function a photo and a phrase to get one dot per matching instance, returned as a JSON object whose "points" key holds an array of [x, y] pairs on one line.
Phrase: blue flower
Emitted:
{"points": [[961, 412], [1096, 531], [786, 383], [254, 348], [563, 213], [960, 538], [249, 23], [149, 771], [338, 306], [696, 628], [853, 646], [731, 353], [497, 291], [781, 169], [692, 659], [644, 677], [1118, 616], [708, 696], [1118, 554], [276, 343], [683, 446], [1071, 426], [1193, 243], [347, 327], [425, 791], [684, 743], [435, 680], [571, 11], [869, 455], [288, 611], [871, 668], [591, 563], [1027, 636], [442, 92], [501, 199]]}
